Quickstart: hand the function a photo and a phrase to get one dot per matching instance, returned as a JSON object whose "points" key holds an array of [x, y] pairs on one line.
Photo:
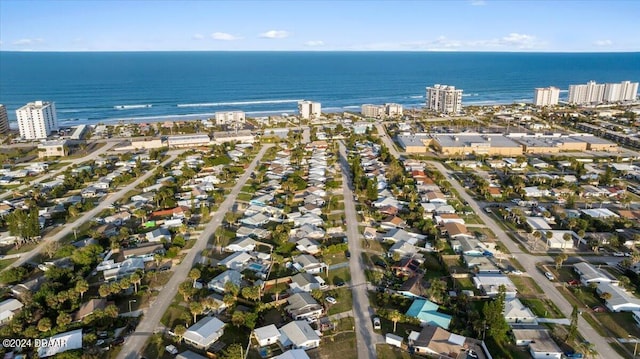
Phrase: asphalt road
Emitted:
{"points": [[92, 156], [365, 336], [526, 260], [134, 345], [87, 216]]}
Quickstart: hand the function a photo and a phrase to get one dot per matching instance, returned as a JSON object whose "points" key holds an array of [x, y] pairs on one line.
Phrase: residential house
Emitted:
{"points": [[435, 341], [267, 335], [123, 269], [480, 264], [8, 308], [218, 283], [244, 244], [158, 235], [456, 230], [443, 218], [254, 232], [427, 312], [535, 192], [308, 231], [307, 245], [89, 307], [620, 300], [541, 345], [413, 287], [308, 263], [308, 219], [256, 220], [303, 306], [516, 313], [435, 197], [144, 251], [293, 354], [237, 261], [407, 267], [398, 234], [590, 274], [403, 249], [306, 282], [558, 241], [299, 335], [204, 333], [490, 284]]}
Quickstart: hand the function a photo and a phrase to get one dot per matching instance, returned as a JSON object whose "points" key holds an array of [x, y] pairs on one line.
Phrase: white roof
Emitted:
{"points": [[299, 332], [204, 331], [293, 354], [538, 223], [269, 331], [61, 343], [599, 213]]}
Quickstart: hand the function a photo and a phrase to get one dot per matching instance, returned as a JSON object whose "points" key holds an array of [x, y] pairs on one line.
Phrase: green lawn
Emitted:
{"points": [[542, 307], [464, 283], [385, 351], [526, 285], [345, 301], [338, 275], [340, 343], [335, 258], [6, 262], [245, 197]]}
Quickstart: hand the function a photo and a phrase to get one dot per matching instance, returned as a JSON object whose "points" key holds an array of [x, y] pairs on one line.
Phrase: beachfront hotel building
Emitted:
{"points": [[4, 120], [309, 110], [379, 111], [36, 120], [594, 93], [444, 99], [230, 117], [547, 96]]}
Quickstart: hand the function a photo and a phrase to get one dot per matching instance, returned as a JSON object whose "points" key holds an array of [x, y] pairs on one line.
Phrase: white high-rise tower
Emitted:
{"points": [[36, 120]]}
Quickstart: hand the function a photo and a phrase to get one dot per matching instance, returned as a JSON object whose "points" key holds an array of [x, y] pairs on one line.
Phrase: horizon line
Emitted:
{"points": [[328, 51]]}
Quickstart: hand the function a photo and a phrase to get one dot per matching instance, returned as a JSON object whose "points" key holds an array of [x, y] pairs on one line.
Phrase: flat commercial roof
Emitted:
{"points": [[469, 139], [406, 141]]}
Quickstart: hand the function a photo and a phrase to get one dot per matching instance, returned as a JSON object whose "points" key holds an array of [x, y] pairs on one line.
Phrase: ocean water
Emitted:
{"points": [[143, 86]]}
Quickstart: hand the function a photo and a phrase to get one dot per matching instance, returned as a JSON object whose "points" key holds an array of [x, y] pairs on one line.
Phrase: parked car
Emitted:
{"points": [[599, 309], [347, 254], [118, 341], [339, 283], [618, 254], [331, 300], [376, 323], [549, 276], [573, 282], [171, 349]]}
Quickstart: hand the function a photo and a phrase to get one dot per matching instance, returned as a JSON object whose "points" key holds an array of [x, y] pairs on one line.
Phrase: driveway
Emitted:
{"points": [[135, 344]]}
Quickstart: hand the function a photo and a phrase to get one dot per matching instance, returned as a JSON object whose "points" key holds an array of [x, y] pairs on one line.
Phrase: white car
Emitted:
{"points": [[376, 323], [171, 349], [618, 254], [549, 275], [331, 300]]}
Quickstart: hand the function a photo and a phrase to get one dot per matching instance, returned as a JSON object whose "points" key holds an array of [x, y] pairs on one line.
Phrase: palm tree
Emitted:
{"points": [[195, 275], [82, 287], [44, 325], [196, 308], [179, 331], [395, 316], [587, 349], [560, 259], [536, 236], [135, 279]]}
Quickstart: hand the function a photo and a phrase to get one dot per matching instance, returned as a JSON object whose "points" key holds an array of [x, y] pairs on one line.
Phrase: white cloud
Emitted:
{"points": [[314, 43], [603, 43], [197, 37], [24, 42], [478, 3], [224, 36], [275, 34], [512, 41]]}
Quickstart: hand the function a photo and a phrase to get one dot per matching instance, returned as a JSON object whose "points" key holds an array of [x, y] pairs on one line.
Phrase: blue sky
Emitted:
{"points": [[351, 25]]}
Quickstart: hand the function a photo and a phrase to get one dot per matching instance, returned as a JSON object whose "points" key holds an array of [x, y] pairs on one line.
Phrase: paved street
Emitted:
{"points": [[92, 156], [87, 216], [134, 345], [526, 260], [365, 336]]}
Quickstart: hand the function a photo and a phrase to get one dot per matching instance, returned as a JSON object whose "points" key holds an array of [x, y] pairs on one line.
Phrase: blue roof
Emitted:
{"points": [[427, 312]]}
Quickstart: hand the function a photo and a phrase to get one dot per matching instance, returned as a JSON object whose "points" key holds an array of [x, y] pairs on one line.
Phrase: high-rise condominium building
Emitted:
{"points": [[4, 120], [36, 120], [393, 109], [547, 96], [230, 117], [309, 110], [593, 93], [445, 99]]}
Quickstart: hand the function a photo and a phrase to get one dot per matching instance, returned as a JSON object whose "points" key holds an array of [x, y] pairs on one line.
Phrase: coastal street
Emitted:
{"points": [[92, 156], [527, 261], [135, 343], [106, 203], [365, 336]]}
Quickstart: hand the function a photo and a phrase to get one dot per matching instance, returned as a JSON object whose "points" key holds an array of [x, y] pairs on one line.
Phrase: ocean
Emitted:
{"points": [[106, 87]]}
